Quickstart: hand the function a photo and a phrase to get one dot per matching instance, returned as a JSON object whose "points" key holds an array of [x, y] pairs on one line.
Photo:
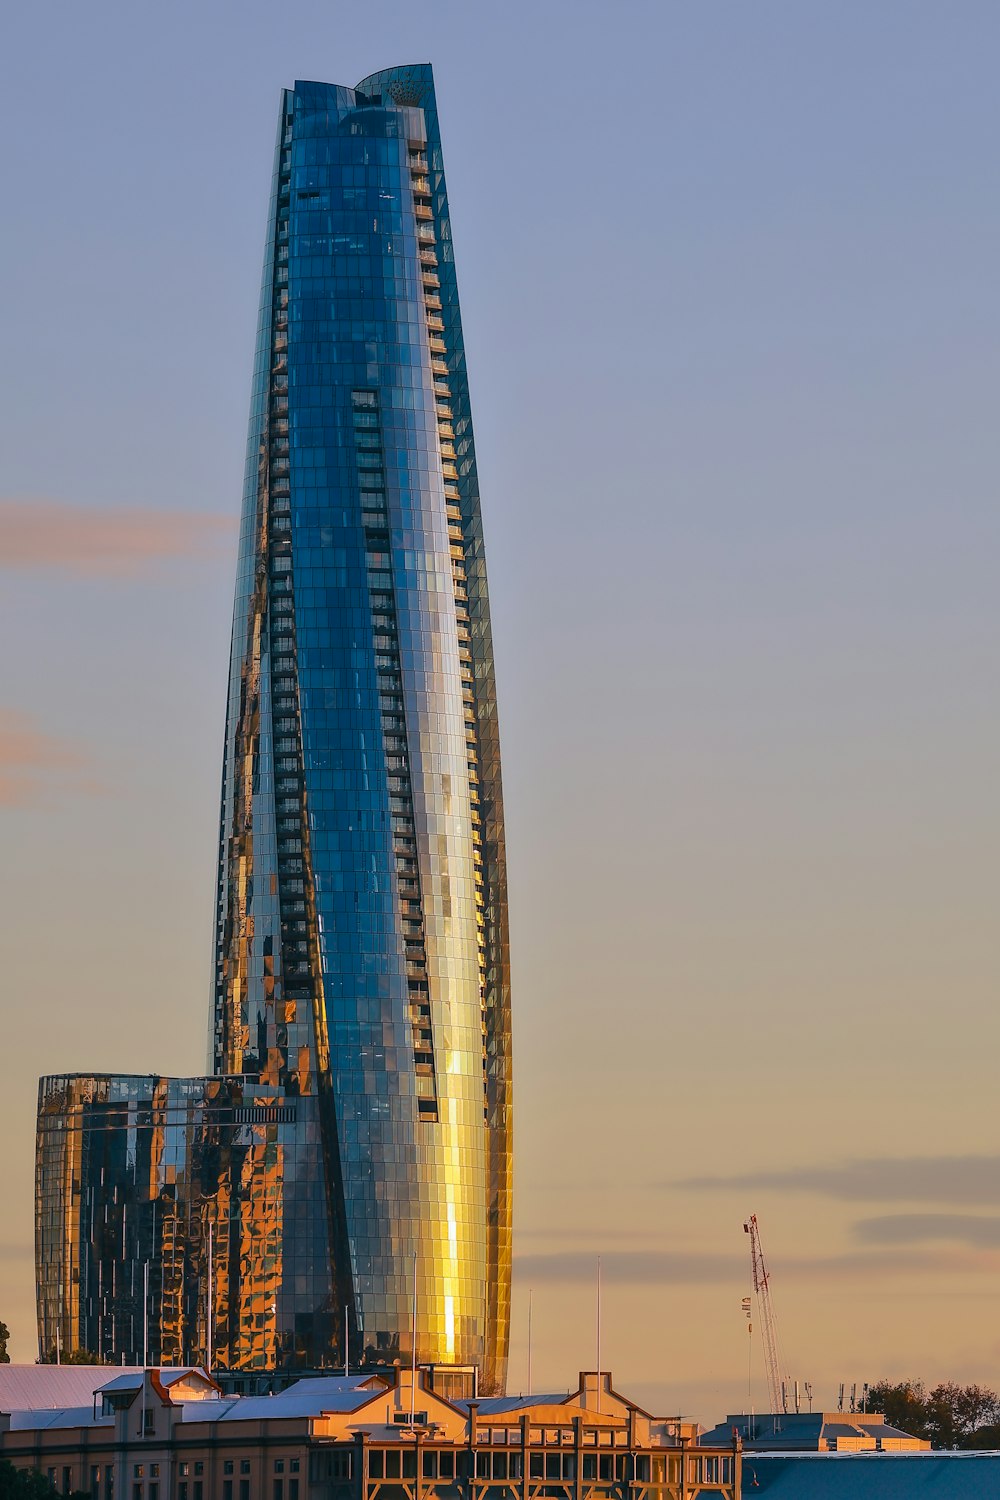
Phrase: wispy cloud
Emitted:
{"points": [[104, 541], [645, 1268], [30, 759], [961, 1180], [980, 1230]]}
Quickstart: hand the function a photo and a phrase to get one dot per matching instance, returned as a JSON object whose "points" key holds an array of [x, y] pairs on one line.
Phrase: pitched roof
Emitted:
{"points": [[56, 1417], [309, 1397], [34, 1387], [498, 1406]]}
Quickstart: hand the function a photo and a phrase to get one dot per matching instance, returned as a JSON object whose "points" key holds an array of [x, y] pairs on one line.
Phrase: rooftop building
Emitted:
{"points": [[173, 1435], [816, 1432], [871, 1476]]}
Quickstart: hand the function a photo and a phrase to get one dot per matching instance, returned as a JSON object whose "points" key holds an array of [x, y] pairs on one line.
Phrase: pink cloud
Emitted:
{"points": [[98, 540], [28, 758]]}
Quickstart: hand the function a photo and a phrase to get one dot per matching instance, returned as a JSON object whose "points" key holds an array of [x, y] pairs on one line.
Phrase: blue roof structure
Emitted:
{"points": [[871, 1476]]}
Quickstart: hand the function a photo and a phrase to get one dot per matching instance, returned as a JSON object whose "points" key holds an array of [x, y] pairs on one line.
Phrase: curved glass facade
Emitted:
{"points": [[158, 1198], [361, 954]]}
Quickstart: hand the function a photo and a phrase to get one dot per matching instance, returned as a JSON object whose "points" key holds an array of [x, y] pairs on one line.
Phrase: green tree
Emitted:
{"points": [[949, 1416], [73, 1357], [28, 1484], [958, 1412], [4, 1336], [904, 1405]]}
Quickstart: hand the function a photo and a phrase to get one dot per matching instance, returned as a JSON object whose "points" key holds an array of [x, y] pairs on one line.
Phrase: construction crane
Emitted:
{"points": [[772, 1355]]}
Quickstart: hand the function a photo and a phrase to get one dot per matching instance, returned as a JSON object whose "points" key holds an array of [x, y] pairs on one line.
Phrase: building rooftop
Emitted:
{"points": [[56, 1417], [812, 1432], [31, 1387], [322, 1396], [871, 1476], [498, 1406]]}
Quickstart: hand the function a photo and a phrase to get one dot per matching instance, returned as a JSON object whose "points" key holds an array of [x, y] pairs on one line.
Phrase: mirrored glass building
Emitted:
{"points": [[361, 960], [165, 1223]]}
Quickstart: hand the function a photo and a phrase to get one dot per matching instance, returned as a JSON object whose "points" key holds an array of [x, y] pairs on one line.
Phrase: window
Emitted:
{"points": [[184, 1469], [279, 1466], [199, 1467], [294, 1465], [182, 1490], [244, 1489], [198, 1488], [154, 1492], [227, 1489], [67, 1476], [279, 1489], [244, 1466], [138, 1471], [227, 1467], [293, 1489]]}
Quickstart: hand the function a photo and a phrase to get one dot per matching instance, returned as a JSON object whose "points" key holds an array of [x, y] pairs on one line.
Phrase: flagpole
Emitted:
{"points": [[598, 1333], [413, 1372], [210, 1297], [528, 1391]]}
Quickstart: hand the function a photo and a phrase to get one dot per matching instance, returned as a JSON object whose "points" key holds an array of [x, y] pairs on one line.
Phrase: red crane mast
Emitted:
{"points": [[769, 1326]]}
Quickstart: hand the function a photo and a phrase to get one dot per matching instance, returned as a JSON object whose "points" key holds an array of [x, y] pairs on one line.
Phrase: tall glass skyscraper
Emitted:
{"points": [[361, 958]]}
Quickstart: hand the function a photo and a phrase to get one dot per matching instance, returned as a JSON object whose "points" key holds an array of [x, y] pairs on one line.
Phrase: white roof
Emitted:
{"points": [[306, 1398], [60, 1416], [28, 1388], [36, 1387]]}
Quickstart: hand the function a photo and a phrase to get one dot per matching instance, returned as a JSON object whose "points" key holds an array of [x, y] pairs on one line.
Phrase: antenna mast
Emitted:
{"points": [[768, 1323]]}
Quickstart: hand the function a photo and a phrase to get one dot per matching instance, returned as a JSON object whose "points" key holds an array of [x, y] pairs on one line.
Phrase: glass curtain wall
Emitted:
{"points": [[362, 942]]}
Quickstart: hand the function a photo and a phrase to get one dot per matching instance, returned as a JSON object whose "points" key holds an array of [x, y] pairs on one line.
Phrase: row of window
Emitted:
{"points": [[436, 1464], [196, 1490], [389, 671], [446, 435]]}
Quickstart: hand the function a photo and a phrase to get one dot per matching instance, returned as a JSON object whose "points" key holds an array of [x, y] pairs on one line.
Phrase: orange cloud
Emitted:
{"points": [[100, 541], [28, 757]]}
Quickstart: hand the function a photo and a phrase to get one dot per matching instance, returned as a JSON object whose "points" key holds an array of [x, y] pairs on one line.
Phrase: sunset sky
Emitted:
{"points": [[729, 282]]}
